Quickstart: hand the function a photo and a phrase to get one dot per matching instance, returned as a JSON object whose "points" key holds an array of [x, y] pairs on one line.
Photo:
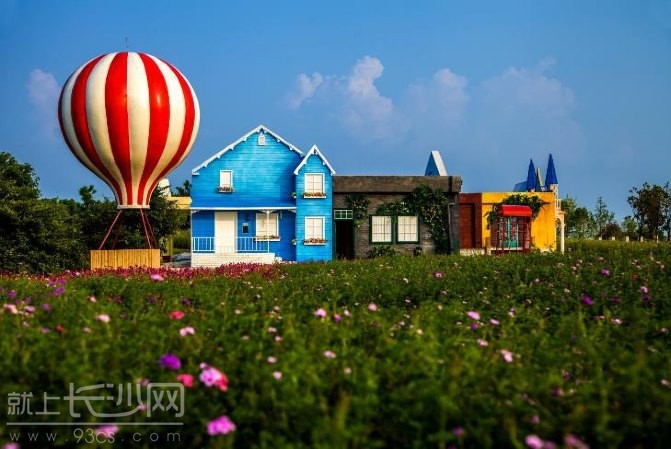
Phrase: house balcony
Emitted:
{"points": [[208, 252]]}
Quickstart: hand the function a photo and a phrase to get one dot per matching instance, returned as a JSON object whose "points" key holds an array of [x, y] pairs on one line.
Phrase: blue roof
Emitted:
{"points": [[531, 176], [551, 174]]}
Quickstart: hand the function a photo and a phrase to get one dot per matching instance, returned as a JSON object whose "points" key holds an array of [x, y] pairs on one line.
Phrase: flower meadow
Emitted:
{"points": [[533, 351]]}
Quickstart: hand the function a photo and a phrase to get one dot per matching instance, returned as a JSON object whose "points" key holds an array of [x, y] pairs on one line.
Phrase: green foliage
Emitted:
{"points": [[403, 376], [651, 205], [381, 251], [432, 208], [183, 190], [603, 219], [358, 203], [50, 235], [519, 199], [579, 221]]}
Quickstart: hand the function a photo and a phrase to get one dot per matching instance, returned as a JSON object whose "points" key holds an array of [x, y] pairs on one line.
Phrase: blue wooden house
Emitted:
{"points": [[261, 199]]}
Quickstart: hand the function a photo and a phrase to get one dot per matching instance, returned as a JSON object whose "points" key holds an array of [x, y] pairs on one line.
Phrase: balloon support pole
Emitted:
{"points": [[146, 227]]}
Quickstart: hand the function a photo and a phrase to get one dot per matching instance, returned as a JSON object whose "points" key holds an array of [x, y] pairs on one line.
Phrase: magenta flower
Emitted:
{"points": [[170, 361], [438, 275], [156, 277], [220, 426], [644, 289], [605, 272], [494, 322], [473, 315], [586, 300], [320, 313], [337, 318], [176, 315], [458, 431]]}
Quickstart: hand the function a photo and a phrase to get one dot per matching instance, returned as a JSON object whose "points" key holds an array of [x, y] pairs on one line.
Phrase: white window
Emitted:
{"points": [[314, 183], [407, 229], [267, 226], [343, 214], [226, 180], [262, 139], [314, 228], [380, 229]]}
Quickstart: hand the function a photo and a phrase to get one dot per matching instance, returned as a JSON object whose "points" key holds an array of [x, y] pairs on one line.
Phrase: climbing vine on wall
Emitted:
{"points": [[359, 205], [430, 206], [519, 199]]}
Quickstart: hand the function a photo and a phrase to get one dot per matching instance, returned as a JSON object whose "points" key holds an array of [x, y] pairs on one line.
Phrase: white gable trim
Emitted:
{"points": [[438, 160], [314, 151], [259, 128]]}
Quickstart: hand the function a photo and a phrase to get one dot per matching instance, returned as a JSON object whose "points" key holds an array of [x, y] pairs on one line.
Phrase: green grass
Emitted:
{"points": [[411, 374]]}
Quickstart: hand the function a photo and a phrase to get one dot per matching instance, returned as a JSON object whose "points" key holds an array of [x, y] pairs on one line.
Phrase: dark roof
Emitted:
{"points": [[394, 184]]}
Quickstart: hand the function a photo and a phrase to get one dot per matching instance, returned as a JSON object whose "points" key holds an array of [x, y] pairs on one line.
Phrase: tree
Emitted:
{"points": [[629, 227], [578, 220], [651, 205], [183, 190], [17, 181], [602, 217]]}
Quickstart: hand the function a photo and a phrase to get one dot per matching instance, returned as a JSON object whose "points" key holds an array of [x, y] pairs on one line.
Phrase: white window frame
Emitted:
{"points": [[380, 229], [312, 224], [310, 186], [405, 226], [230, 178], [264, 232], [343, 214]]}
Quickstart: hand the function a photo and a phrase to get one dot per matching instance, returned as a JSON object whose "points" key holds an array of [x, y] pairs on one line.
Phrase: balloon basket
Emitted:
{"points": [[125, 258]]}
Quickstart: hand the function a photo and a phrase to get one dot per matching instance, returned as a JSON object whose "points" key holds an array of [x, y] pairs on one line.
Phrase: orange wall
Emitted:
{"points": [[543, 227]]}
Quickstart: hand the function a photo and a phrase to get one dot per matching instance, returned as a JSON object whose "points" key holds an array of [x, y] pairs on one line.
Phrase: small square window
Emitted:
{"points": [[314, 183], [314, 230]]}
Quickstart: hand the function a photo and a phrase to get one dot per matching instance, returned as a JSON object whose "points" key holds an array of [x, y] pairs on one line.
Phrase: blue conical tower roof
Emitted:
{"points": [[551, 174], [531, 176]]}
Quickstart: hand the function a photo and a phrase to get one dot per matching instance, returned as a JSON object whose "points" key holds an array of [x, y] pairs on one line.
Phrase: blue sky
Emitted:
{"points": [[375, 84]]}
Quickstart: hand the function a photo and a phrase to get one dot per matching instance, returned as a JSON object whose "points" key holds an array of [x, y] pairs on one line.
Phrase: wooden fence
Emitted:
{"points": [[125, 258]]}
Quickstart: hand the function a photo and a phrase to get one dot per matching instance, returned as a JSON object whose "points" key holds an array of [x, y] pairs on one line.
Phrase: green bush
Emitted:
{"points": [[381, 251]]}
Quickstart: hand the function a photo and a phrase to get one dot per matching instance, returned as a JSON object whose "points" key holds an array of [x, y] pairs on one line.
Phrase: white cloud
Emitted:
{"points": [[530, 91], [305, 88], [43, 92], [366, 109], [441, 101]]}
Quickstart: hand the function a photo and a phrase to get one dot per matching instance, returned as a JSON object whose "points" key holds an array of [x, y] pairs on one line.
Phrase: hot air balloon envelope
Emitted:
{"points": [[131, 118]]}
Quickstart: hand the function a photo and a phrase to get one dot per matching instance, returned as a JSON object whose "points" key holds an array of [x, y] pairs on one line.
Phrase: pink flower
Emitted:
{"points": [[107, 431], [176, 315], [271, 360], [277, 375], [11, 446], [103, 317], [644, 289], [534, 442], [329, 354], [186, 379], [320, 313], [156, 277], [494, 322], [187, 331], [482, 343], [337, 318], [11, 308], [438, 275], [220, 426], [605, 272], [573, 442], [473, 315], [372, 307], [507, 355], [212, 377]]}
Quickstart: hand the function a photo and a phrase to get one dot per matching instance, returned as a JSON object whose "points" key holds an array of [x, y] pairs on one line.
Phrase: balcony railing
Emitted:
{"points": [[243, 245]]}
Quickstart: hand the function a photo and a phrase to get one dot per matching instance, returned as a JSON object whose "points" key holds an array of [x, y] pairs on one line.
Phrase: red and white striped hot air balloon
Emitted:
{"points": [[131, 118]]}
